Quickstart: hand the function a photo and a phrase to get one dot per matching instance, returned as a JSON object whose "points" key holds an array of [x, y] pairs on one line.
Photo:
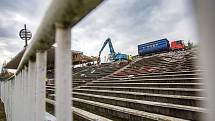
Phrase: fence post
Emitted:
{"points": [[32, 89], [19, 95], [41, 63], [25, 98], [63, 73]]}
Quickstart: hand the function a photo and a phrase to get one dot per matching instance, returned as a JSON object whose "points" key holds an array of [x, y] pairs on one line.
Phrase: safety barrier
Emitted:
{"points": [[24, 94]]}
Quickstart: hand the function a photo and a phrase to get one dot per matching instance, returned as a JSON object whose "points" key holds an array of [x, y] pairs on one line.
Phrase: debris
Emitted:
{"points": [[130, 76]]}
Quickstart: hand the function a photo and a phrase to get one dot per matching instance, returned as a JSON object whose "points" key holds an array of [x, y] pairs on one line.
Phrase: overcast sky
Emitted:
{"points": [[127, 22]]}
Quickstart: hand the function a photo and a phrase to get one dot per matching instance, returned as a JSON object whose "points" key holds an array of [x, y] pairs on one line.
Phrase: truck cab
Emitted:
{"points": [[177, 45]]}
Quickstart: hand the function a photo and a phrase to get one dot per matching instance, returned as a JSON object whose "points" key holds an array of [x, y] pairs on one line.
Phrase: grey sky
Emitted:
{"points": [[13, 15], [127, 22], [132, 22]]}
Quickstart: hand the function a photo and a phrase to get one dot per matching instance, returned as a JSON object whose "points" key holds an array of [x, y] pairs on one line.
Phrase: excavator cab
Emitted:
{"points": [[120, 57]]}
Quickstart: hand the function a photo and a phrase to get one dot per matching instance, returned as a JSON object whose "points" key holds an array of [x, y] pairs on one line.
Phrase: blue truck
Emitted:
{"points": [[154, 47]]}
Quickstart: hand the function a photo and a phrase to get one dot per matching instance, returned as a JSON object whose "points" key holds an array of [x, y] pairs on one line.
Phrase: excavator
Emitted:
{"points": [[113, 56]]}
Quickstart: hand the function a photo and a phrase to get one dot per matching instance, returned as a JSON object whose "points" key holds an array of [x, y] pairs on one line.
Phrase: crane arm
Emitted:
{"points": [[111, 46], [108, 41]]}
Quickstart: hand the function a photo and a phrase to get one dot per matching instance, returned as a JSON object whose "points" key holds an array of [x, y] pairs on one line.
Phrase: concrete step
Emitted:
{"points": [[120, 113], [157, 80], [78, 79], [173, 99], [81, 115], [73, 84], [154, 90], [50, 86], [79, 82], [174, 73], [148, 74], [179, 111], [153, 76], [161, 85], [161, 64], [98, 74]]}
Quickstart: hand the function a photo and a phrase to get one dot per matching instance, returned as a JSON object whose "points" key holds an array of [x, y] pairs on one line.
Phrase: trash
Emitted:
{"points": [[83, 75], [130, 76], [92, 71]]}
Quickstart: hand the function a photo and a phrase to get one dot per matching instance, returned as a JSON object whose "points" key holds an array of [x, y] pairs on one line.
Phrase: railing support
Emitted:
{"points": [[63, 73], [25, 98], [41, 63], [32, 89]]}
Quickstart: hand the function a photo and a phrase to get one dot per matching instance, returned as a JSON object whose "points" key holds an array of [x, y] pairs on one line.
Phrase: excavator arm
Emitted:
{"points": [[112, 52]]}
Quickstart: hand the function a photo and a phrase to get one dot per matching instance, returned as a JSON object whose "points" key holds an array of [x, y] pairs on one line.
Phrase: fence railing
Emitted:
{"points": [[24, 94]]}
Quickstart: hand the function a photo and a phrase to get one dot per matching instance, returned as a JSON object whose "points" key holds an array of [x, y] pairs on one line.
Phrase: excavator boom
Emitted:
{"points": [[112, 52]]}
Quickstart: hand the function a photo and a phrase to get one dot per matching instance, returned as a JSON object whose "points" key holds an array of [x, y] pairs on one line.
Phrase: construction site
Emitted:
{"points": [[164, 86], [163, 81], [154, 85]]}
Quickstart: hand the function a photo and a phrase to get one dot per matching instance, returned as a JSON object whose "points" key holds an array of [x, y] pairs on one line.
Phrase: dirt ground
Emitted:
{"points": [[2, 112]]}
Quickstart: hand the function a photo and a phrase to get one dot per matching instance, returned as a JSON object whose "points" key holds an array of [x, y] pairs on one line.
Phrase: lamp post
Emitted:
{"points": [[25, 34]]}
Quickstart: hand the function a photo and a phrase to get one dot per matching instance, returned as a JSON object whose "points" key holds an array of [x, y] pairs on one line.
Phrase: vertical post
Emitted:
{"points": [[41, 63], [22, 95], [14, 98], [6, 99], [18, 91], [27, 95], [13, 102], [63, 73], [19, 95], [9, 98], [24, 98], [3, 91], [32, 89], [26, 114], [205, 20], [0, 89], [2, 95], [26, 40]]}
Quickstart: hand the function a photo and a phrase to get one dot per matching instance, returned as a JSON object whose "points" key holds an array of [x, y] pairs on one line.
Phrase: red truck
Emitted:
{"points": [[177, 45]]}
